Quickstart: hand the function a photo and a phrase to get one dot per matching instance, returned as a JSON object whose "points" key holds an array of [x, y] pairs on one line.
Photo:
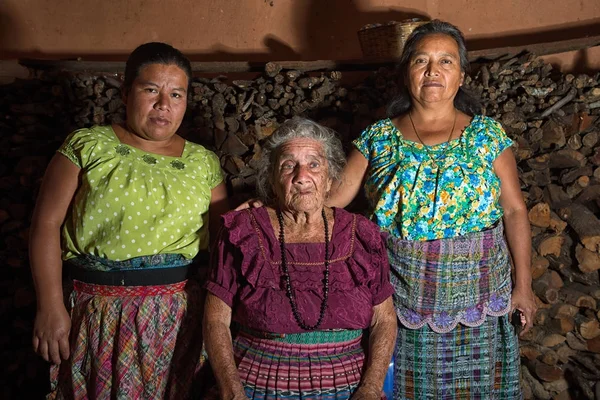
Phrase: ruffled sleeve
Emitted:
{"points": [[364, 142], [493, 139], [223, 277], [78, 146], [215, 175], [238, 259]]}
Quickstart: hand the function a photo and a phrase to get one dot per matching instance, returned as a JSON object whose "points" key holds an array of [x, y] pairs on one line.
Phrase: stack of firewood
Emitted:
{"points": [[552, 117], [554, 121]]}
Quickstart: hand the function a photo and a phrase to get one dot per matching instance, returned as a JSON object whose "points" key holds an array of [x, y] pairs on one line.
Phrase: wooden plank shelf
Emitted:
{"points": [[477, 56]]}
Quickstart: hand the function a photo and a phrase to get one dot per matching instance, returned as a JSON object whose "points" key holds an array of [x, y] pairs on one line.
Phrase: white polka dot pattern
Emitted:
{"points": [[127, 194]]}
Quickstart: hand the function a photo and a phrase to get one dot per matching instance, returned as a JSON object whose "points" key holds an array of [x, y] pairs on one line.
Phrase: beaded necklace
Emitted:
{"points": [[288, 282], [434, 160]]}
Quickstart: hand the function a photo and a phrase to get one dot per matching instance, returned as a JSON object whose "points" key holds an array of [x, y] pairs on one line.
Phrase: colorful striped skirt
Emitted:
{"points": [[327, 366], [479, 362], [131, 342], [452, 298]]}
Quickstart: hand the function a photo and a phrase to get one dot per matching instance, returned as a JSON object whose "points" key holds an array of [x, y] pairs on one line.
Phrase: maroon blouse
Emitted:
{"points": [[246, 273]]}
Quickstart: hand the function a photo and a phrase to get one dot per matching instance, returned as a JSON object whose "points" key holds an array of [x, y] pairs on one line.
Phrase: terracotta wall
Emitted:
{"points": [[276, 29]]}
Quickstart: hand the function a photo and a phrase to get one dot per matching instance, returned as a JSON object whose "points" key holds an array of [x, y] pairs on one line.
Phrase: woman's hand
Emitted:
{"points": [[345, 189], [382, 337], [52, 323], [367, 392], [51, 333], [219, 347], [518, 235], [524, 301], [251, 203]]}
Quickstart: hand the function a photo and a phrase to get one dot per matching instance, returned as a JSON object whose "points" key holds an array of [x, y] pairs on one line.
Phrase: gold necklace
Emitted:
{"points": [[426, 147]]}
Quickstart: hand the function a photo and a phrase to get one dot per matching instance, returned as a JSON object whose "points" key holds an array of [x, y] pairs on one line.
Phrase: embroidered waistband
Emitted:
{"points": [[313, 337], [124, 291]]}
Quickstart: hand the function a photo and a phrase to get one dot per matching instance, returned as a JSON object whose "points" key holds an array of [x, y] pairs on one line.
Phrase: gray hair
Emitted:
{"points": [[294, 128]]}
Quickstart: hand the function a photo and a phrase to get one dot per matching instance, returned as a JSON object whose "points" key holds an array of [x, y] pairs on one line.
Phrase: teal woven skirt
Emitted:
{"points": [[479, 362]]}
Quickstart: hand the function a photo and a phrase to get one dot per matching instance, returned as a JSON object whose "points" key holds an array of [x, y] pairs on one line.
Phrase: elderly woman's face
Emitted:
{"points": [[301, 175], [156, 101], [434, 72]]}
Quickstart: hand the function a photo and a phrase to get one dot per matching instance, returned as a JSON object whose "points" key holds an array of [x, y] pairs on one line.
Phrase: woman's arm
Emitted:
{"points": [[345, 190], [52, 322], [382, 336], [518, 234], [219, 205], [218, 342]]}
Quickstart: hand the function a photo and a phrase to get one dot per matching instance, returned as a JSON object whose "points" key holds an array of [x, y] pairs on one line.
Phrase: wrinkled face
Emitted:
{"points": [[301, 176], [434, 72], [156, 101]]}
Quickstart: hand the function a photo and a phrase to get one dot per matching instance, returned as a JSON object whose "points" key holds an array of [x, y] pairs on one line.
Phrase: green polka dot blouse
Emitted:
{"points": [[131, 203]]}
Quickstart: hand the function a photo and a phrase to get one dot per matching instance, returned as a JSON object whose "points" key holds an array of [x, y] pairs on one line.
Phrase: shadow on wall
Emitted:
{"points": [[330, 27], [325, 30], [581, 62], [560, 32], [11, 33]]}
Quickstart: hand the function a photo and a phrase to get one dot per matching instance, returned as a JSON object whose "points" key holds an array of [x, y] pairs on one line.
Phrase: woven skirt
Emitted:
{"points": [[132, 342], [452, 298], [287, 369], [479, 362]]}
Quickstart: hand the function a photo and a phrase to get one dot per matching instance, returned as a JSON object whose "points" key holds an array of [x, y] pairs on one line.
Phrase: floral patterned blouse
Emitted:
{"points": [[131, 203], [414, 198]]}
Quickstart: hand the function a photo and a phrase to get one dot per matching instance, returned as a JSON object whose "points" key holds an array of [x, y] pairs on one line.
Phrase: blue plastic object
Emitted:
{"points": [[388, 384]]}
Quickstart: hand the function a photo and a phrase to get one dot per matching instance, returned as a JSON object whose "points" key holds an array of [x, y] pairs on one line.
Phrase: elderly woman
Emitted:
{"points": [[299, 282], [133, 201], [442, 181]]}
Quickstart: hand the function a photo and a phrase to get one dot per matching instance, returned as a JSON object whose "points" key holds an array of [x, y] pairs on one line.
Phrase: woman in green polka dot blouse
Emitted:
{"points": [[127, 207]]}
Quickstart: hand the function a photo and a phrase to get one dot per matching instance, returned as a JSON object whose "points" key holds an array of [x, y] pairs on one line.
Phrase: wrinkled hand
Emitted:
{"points": [[51, 333], [524, 301], [232, 391], [367, 392], [252, 203], [236, 396]]}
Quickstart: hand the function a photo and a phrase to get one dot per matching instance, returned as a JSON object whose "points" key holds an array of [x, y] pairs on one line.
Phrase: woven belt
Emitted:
{"points": [[313, 337], [132, 277], [128, 291]]}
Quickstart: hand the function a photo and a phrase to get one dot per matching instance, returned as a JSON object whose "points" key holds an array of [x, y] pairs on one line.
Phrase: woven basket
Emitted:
{"points": [[386, 41]]}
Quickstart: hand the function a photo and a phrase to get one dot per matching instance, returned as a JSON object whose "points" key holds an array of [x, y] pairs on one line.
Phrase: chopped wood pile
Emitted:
{"points": [[553, 118]]}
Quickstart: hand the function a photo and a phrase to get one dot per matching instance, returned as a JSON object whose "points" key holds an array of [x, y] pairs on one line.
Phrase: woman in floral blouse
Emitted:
{"points": [[442, 182]]}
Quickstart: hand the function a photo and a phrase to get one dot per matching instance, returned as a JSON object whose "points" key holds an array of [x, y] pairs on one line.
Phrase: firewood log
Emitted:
{"points": [[539, 265], [544, 288], [551, 245], [577, 298], [588, 328], [561, 324], [545, 373], [535, 386], [539, 215], [585, 224]]}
